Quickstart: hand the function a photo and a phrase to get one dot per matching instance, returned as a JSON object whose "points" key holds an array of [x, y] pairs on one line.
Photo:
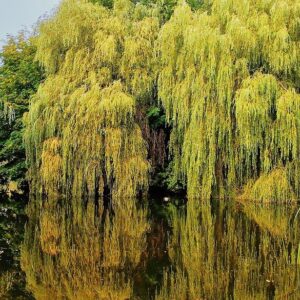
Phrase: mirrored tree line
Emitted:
{"points": [[215, 250]]}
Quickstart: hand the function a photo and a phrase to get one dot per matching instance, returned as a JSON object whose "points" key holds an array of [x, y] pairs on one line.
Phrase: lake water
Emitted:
{"points": [[74, 249]]}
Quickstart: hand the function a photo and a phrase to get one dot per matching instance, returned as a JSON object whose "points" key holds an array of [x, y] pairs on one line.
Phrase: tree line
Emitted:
{"points": [[200, 96]]}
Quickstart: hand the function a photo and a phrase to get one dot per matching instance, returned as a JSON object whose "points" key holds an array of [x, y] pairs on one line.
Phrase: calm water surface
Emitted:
{"points": [[149, 250]]}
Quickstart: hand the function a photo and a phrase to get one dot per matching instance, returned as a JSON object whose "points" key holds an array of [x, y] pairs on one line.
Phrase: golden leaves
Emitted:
{"points": [[227, 79], [220, 83], [89, 101]]}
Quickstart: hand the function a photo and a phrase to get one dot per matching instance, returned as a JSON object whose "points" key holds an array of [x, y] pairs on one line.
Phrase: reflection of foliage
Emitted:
{"points": [[50, 231], [6, 282], [218, 252], [84, 253], [273, 219], [12, 219]]}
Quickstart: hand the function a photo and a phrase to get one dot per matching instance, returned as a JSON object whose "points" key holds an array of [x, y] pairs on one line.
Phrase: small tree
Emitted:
{"points": [[20, 76]]}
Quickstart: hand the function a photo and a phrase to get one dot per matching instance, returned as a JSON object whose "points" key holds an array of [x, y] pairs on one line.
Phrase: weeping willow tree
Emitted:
{"points": [[226, 74], [81, 135], [229, 82]]}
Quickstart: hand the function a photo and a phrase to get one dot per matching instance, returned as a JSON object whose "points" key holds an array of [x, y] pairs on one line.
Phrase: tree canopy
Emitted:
{"points": [[19, 80], [226, 74], [81, 133], [229, 82]]}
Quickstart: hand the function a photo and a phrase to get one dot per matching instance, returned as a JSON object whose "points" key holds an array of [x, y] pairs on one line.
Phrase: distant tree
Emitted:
{"points": [[106, 3], [20, 76], [165, 7]]}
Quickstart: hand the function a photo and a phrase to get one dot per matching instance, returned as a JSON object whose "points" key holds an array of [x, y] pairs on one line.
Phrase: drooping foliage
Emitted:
{"points": [[19, 80], [225, 73], [229, 82], [82, 135]]}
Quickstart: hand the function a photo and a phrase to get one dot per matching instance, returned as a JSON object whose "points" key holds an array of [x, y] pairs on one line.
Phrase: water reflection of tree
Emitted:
{"points": [[83, 252], [238, 252]]}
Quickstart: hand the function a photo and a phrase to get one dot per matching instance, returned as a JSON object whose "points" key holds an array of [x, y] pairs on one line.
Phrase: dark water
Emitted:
{"points": [[148, 250]]}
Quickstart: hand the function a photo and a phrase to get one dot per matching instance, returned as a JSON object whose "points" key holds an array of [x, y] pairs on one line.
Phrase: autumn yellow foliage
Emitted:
{"points": [[226, 75]]}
